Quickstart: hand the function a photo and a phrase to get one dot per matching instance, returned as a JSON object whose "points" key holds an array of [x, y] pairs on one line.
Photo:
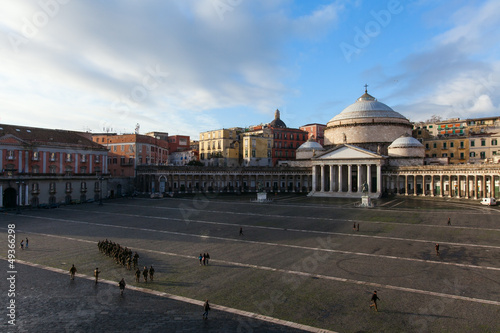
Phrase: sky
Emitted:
{"points": [[189, 66]]}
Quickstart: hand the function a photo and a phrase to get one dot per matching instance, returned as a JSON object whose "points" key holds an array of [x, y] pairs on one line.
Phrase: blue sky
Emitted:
{"points": [[188, 66]]}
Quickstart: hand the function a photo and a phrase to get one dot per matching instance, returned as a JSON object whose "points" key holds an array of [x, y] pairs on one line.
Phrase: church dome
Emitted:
{"points": [[406, 141], [367, 106], [310, 144], [277, 122]]}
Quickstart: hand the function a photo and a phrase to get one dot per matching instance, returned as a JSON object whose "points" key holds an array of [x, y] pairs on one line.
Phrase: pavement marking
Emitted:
{"points": [[350, 205], [304, 217], [269, 243], [288, 229], [399, 203], [186, 300], [387, 203], [299, 273]]}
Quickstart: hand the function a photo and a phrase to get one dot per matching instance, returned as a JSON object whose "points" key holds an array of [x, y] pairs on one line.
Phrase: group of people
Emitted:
{"points": [[145, 273], [122, 255], [24, 244], [204, 258], [354, 227]]}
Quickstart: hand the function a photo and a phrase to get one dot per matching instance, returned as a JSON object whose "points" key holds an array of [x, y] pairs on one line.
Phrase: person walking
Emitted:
{"points": [[122, 285], [354, 226], [96, 274], [72, 272], [151, 273], [449, 221], [207, 257], [437, 249], [145, 274], [26, 242], [241, 231], [374, 300], [137, 275], [200, 258], [206, 308], [357, 229], [204, 259], [22, 244]]}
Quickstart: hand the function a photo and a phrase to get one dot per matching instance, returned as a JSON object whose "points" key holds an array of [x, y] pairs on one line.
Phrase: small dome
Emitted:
{"points": [[406, 141], [310, 144], [367, 106], [277, 122]]}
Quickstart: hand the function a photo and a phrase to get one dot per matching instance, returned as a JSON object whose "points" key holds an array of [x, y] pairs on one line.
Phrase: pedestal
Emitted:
{"points": [[261, 196], [366, 201]]}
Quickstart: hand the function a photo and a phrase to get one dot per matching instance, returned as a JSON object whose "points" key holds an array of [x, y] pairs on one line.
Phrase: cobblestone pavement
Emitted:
{"points": [[299, 260], [48, 301]]}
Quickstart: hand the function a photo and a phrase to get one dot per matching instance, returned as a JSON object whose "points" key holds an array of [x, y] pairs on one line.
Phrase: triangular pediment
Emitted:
{"points": [[11, 139], [348, 152]]}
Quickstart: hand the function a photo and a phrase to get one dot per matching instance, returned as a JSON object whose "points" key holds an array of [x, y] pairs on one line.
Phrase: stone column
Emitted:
{"points": [[441, 187], [360, 186], [349, 178], [340, 178], [483, 188], [423, 185], [314, 179], [432, 185], [415, 185], [369, 177], [322, 178], [379, 179], [406, 184], [332, 178]]}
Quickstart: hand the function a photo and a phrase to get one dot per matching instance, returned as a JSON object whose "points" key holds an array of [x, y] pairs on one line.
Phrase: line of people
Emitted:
{"points": [[145, 273], [204, 258], [122, 255]]}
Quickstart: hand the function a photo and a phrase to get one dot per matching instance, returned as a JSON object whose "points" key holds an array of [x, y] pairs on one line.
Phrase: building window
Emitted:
{"points": [[114, 148], [52, 187], [253, 153], [452, 145], [472, 154], [482, 154], [462, 156], [68, 187], [97, 158], [461, 144], [472, 143], [494, 142], [483, 143], [435, 145], [52, 169], [452, 155], [35, 187], [10, 154], [52, 157], [68, 157], [426, 146], [123, 147], [35, 169], [35, 156], [84, 158], [83, 169], [444, 145], [444, 155]]}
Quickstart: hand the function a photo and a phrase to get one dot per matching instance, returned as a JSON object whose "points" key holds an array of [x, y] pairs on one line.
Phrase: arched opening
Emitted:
{"points": [[9, 198]]}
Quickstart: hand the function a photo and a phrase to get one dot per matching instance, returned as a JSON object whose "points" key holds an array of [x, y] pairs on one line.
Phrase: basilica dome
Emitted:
{"points": [[367, 106], [367, 123]]}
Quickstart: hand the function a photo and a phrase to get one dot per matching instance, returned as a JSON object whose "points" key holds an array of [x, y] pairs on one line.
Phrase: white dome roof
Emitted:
{"points": [[367, 106], [310, 144], [406, 142]]}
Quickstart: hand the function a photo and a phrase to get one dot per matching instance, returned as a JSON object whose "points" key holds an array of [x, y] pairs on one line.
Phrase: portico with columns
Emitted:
{"points": [[342, 171]]}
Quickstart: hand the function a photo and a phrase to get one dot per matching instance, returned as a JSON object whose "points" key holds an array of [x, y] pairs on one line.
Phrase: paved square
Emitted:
{"points": [[299, 260]]}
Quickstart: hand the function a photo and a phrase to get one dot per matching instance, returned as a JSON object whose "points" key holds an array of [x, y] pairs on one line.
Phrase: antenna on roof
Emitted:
{"points": [[137, 128]]}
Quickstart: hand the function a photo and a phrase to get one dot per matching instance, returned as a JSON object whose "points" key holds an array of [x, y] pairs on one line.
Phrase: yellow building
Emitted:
{"points": [[221, 147], [456, 149], [257, 148]]}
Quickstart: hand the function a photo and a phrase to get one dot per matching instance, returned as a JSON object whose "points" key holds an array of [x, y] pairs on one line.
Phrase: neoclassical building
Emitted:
{"points": [[368, 142]]}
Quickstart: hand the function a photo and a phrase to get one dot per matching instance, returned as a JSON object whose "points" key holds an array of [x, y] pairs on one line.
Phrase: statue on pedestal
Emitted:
{"points": [[365, 187]]}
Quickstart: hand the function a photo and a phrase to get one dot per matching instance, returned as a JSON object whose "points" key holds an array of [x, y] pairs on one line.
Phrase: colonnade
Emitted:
{"points": [[219, 181], [468, 186], [346, 179]]}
